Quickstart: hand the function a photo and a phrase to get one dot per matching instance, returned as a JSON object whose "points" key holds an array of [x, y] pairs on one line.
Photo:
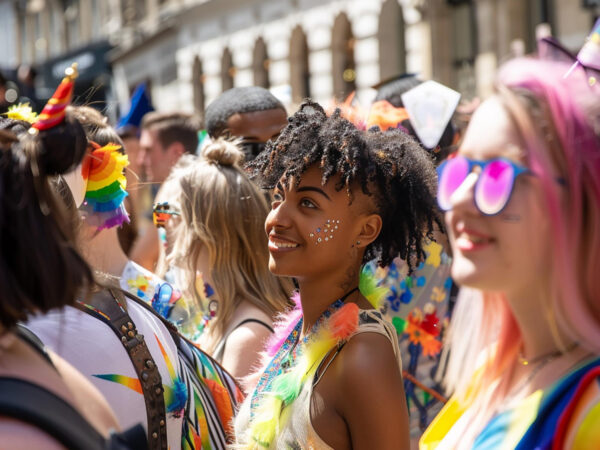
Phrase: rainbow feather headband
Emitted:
{"points": [[106, 184]]}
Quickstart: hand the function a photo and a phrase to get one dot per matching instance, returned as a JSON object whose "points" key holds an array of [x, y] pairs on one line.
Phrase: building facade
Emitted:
{"points": [[189, 51]]}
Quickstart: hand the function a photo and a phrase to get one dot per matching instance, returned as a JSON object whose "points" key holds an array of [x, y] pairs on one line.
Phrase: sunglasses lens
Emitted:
{"points": [[451, 175], [494, 187]]}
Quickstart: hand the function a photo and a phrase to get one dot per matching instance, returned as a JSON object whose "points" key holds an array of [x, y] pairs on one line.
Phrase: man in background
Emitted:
{"points": [[165, 137], [250, 113]]}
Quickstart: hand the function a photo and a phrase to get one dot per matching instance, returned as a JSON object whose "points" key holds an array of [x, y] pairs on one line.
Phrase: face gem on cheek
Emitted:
{"points": [[328, 228]]}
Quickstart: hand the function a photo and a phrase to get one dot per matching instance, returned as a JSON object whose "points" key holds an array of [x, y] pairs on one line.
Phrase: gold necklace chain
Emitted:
{"points": [[550, 356], [540, 362]]}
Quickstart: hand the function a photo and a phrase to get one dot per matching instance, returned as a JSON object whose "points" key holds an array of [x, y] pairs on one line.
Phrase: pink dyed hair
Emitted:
{"points": [[572, 109], [559, 123]]}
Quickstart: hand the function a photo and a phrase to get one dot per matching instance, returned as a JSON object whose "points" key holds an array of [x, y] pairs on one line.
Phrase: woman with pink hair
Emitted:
{"points": [[522, 202]]}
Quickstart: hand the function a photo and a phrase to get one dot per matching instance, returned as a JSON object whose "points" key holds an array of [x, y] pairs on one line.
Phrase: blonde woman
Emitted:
{"points": [[220, 255]]}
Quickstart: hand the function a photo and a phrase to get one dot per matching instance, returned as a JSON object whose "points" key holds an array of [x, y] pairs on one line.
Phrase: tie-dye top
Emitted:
{"points": [[200, 397], [564, 416]]}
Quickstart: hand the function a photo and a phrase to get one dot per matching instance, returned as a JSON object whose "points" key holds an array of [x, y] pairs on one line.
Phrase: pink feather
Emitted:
{"points": [[283, 326], [344, 321]]}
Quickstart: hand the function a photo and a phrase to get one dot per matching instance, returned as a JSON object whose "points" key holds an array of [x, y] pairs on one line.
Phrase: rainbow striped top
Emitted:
{"points": [[565, 415]]}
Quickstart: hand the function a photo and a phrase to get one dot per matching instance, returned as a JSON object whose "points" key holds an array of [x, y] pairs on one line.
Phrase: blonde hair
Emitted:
{"points": [[224, 212]]}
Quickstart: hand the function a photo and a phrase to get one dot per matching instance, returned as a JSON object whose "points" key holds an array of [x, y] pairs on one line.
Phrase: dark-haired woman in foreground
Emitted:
{"points": [[39, 270], [341, 197]]}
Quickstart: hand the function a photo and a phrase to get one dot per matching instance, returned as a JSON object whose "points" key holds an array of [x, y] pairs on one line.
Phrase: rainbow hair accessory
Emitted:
{"points": [[54, 111], [106, 185]]}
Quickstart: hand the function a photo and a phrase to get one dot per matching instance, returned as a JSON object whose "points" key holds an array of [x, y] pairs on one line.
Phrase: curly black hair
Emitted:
{"points": [[391, 167]]}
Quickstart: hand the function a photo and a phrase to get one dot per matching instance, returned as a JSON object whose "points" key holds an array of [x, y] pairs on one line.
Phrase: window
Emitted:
{"points": [[260, 64], [299, 68], [198, 86], [227, 70], [342, 49], [392, 51]]}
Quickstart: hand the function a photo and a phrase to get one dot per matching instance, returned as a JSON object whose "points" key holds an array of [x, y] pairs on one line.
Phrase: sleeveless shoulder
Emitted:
{"points": [[373, 321]]}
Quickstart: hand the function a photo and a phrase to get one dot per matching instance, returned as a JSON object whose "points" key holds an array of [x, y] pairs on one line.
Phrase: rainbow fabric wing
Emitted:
{"points": [[106, 185], [54, 111], [129, 382]]}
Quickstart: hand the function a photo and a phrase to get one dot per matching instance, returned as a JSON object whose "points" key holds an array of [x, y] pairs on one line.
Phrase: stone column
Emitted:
{"points": [[486, 61], [438, 15]]}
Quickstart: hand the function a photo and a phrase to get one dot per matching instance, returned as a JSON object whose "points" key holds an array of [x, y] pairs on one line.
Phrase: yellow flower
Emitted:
{"points": [[438, 294], [434, 254], [22, 111]]}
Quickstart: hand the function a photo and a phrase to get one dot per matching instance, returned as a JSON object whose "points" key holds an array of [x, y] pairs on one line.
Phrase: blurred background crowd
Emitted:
{"points": [[189, 51]]}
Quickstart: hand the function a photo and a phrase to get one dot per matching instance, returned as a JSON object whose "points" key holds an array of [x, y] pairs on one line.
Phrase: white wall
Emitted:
{"points": [[207, 34]]}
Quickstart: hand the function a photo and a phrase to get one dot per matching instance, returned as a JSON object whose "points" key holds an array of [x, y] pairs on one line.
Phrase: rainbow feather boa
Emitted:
{"points": [[106, 185], [286, 387]]}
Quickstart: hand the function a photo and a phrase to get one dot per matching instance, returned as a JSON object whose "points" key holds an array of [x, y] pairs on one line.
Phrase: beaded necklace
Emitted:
{"points": [[210, 314]]}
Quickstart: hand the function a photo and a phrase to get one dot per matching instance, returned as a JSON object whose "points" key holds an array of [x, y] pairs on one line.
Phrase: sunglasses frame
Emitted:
{"points": [[517, 170]]}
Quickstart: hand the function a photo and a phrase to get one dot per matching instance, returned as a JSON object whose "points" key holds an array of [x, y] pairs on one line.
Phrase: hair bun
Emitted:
{"points": [[63, 147], [223, 152]]}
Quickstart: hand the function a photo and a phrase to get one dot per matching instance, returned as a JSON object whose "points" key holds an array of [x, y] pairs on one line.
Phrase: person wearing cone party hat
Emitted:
{"points": [[44, 401], [146, 370]]}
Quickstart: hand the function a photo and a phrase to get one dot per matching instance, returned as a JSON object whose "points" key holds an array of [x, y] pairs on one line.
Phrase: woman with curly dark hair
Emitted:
{"points": [[341, 197]]}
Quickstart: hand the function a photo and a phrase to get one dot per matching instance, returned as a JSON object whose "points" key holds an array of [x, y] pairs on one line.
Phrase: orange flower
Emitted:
{"points": [[430, 345]]}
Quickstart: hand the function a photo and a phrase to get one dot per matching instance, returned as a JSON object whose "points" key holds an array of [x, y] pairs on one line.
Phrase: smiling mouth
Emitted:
{"points": [[278, 244], [467, 242], [473, 238]]}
